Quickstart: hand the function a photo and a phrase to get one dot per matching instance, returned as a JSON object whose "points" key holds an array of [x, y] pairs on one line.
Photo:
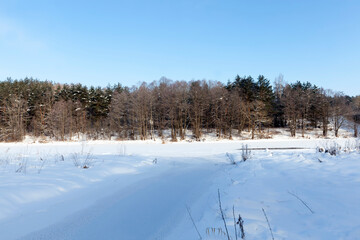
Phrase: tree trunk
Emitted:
{"points": [[355, 130]]}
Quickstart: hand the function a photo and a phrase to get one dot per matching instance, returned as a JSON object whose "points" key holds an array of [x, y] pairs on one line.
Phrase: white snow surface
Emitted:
{"points": [[141, 189]]}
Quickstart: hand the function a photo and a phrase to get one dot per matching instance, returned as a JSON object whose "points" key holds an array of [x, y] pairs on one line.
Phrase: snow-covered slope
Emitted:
{"points": [[140, 190]]}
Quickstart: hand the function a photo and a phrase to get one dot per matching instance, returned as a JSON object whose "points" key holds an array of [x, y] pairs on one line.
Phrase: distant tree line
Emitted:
{"points": [[64, 111]]}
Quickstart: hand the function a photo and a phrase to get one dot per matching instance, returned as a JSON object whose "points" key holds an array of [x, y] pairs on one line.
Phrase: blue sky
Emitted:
{"points": [[105, 42]]}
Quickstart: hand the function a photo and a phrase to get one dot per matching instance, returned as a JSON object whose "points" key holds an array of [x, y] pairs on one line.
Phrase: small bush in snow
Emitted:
{"points": [[240, 222], [351, 145], [82, 161], [22, 165], [215, 232], [87, 162], [245, 152], [333, 149], [75, 158]]}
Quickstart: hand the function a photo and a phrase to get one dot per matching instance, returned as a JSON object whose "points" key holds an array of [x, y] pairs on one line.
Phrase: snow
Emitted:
{"points": [[140, 189]]}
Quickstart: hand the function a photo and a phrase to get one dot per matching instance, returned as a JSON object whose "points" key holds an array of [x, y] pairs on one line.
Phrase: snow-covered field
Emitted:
{"points": [[142, 190]]}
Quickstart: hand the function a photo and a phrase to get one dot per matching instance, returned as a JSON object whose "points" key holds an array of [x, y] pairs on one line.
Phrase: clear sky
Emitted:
{"points": [[105, 42]]}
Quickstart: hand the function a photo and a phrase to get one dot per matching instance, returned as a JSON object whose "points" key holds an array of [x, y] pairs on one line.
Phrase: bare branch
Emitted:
{"points": [[222, 216], [193, 222], [267, 220], [301, 201]]}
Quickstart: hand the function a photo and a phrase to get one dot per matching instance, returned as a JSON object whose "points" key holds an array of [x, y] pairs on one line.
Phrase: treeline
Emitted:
{"points": [[64, 111]]}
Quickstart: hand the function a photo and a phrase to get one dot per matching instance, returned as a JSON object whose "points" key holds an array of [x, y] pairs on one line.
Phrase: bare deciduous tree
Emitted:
{"points": [[340, 110], [15, 114]]}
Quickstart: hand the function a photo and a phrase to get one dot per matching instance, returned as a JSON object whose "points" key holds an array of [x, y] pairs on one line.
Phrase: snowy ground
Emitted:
{"points": [[140, 190]]}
